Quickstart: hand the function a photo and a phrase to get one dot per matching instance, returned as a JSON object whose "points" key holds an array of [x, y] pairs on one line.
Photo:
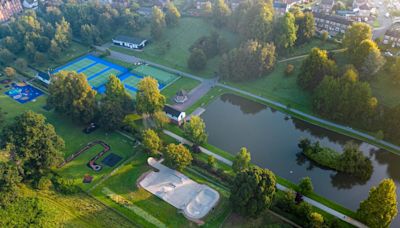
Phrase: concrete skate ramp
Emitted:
{"points": [[195, 200]]}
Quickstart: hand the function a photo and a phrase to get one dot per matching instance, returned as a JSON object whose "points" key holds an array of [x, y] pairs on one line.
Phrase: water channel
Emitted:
{"points": [[271, 136]]}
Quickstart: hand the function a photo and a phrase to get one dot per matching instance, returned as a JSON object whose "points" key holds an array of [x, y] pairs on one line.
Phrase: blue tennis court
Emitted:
{"points": [[98, 71]]}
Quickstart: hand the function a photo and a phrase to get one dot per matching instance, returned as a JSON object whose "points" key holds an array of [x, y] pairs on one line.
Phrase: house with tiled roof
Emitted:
{"points": [[9, 8]]}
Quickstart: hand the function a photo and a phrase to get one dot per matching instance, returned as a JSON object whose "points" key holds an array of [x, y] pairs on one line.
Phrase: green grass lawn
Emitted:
{"points": [[266, 219], [306, 48], [385, 90], [180, 39], [182, 83], [279, 87]]}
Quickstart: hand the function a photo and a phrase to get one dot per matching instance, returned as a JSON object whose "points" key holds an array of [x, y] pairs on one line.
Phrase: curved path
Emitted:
{"points": [[278, 186]]}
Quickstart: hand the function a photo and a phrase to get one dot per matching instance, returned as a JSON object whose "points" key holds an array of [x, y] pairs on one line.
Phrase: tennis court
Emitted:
{"points": [[163, 77], [99, 70]]}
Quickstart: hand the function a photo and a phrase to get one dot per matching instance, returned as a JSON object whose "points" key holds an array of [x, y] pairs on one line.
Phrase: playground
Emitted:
{"points": [[98, 71], [23, 93]]}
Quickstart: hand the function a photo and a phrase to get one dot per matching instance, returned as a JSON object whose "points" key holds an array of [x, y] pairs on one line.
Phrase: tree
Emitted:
{"points": [[63, 34], [10, 72], [394, 71], [40, 58], [2, 118], [242, 160], [172, 15], [354, 35], [55, 50], [149, 100], [353, 161], [314, 68], [35, 145], [160, 119], [6, 57], [251, 60], [197, 60], [114, 105], [379, 209], [9, 178], [21, 63], [252, 191], [306, 186], [90, 34], [306, 27], [151, 142], [157, 23], [195, 130], [220, 12], [211, 161], [316, 220], [367, 58], [287, 32], [71, 94], [325, 36], [177, 156]]}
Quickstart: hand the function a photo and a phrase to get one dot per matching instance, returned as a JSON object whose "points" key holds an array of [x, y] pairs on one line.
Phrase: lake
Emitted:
{"points": [[272, 136]]}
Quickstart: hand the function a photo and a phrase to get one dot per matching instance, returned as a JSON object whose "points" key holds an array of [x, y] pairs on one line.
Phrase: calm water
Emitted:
{"points": [[272, 137]]}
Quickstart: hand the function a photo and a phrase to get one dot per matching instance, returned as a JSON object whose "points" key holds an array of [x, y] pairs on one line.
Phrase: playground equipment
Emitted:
{"points": [[92, 163]]}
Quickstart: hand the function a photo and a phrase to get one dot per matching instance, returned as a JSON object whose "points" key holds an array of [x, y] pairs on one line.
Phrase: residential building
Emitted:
{"points": [[9, 8], [392, 37], [280, 8], [326, 6], [176, 116], [130, 42], [334, 25], [201, 4]]}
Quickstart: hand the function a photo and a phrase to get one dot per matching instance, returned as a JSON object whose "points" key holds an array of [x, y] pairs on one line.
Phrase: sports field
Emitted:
{"points": [[99, 70]]}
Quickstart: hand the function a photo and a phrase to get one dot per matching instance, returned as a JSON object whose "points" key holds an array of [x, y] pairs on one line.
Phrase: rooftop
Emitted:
{"points": [[129, 39]]}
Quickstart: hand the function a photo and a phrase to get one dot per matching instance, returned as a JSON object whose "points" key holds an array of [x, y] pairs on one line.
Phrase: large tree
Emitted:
{"points": [[33, 143], [157, 23], [149, 100], [251, 60], [242, 160], [379, 209], [71, 94], [197, 60], [63, 34], [9, 178], [172, 15], [151, 142], [286, 32], [195, 130], [252, 191], [115, 104], [220, 12], [306, 27], [354, 35], [314, 68], [177, 156]]}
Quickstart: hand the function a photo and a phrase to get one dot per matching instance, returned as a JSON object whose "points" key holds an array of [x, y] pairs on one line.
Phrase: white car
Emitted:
{"points": [[387, 15]]}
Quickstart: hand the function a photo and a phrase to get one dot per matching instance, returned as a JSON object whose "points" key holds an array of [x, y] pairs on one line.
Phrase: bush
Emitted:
{"points": [[289, 69], [65, 186], [218, 173], [44, 183], [306, 186]]}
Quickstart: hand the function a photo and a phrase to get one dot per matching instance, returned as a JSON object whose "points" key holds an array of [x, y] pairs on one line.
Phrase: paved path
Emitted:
{"points": [[303, 56], [361, 135], [278, 186]]}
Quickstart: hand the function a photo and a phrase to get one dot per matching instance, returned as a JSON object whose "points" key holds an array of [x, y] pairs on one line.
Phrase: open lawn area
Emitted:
{"points": [[305, 49], [279, 87], [184, 83], [267, 219], [180, 38], [385, 90]]}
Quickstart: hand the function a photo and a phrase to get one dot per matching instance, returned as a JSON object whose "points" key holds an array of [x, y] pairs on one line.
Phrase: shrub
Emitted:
{"points": [[65, 186], [306, 186], [44, 183], [289, 69], [218, 173]]}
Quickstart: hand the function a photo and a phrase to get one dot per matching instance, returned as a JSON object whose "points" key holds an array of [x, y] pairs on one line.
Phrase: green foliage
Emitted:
{"points": [[9, 178], [151, 142], [35, 145], [25, 212], [197, 60], [90, 34], [394, 71], [114, 105], [63, 34], [211, 45], [44, 183], [252, 60], [71, 94], [160, 120], [289, 69], [354, 35], [149, 100], [220, 12], [306, 186], [177, 156], [351, 161], [344, 99], [286, 30], [157, 23], [314, 68], [195, 130], [211, 161], [65, 186], [367, 59], [252, 191], [242, 160], [172, 14], [306, 26], [379, 209], [316, 220]]}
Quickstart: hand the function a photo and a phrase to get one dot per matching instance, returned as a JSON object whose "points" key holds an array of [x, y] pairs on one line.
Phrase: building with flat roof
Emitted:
{"points": [[130, 42], [334, 25]]}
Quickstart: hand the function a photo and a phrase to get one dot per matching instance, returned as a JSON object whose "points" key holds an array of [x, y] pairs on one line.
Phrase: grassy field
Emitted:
{"points": [[79, 210], [267, 219], [305, 48], [180, 39], [385, 90], [279, 87], [184, 83]]}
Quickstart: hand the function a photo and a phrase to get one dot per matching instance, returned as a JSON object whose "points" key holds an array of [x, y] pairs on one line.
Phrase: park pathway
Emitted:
{"points": [[312, 119], [278, 186]]}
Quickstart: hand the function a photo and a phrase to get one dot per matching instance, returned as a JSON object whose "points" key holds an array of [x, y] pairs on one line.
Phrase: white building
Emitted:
{"points": [[175, 115], [130, 42]]}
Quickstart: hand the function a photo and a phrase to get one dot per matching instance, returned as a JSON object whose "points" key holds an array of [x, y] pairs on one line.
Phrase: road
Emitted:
{"points": [[384, 22], [326, 123], [278, 186]]}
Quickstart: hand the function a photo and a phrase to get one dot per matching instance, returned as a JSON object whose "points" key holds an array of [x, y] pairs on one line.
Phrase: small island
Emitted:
{"points": [[351, 161]]}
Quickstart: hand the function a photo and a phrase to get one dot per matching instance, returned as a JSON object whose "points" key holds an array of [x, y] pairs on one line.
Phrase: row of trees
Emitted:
{"points": [[160, 19]]}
